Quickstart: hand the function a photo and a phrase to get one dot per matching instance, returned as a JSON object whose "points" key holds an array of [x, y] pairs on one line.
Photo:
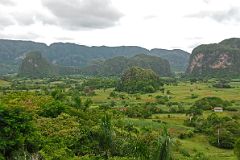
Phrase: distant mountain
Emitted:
{"points": [[34, 65], [216, 60], [12, 53], [117, 65], [68, 54], [177, 58]]}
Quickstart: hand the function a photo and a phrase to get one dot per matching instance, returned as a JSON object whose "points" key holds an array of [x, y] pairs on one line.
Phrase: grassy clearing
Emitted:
{"points": [[199, 143], [196, 144], [3, 83]]}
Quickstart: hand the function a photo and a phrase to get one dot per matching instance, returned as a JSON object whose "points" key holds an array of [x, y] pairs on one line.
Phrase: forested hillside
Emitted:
{"points": [[68, 54], [117, 65], [216, 60]]}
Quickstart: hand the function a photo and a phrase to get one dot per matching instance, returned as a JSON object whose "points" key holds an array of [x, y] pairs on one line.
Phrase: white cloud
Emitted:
{"points": [[146, 23], [228, 15], [77, 14], [6, 2]]}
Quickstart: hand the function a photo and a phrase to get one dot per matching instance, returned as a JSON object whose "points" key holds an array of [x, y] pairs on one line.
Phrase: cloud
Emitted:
{"points": [[148, 17], [64, 38], [30, 17], [24, 18], [194, 45], [232, 14], [6, 2], [79, 14], [22, 36], [206, 1], [5, 21]]}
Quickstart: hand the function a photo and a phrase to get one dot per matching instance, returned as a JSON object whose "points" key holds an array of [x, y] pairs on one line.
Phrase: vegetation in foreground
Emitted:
{"points": [[86, 118]]}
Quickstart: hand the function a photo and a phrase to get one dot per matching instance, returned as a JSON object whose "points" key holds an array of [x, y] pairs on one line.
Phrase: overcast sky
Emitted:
{"points": [[151, 24]]}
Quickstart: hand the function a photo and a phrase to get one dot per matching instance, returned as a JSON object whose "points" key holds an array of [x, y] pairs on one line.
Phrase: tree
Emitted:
{"points": [[164, 146], [208, 103], [58, 94], [52, 109], [17, 132], [87, 104], [216, 122], [77, 102], [106, 140], [222, 84], [193, 112], [237, 149]]}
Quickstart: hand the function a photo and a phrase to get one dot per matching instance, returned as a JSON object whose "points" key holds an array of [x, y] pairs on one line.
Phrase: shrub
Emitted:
{"points": [[52, 109], [208, 103], [187, 134]]}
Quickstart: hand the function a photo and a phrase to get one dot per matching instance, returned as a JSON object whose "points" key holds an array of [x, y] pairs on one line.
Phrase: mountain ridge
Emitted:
{"points": [[117, 65], [35, 65], [66, 54]]}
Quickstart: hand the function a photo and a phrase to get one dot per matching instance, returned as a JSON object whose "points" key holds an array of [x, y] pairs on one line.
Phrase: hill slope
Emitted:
{"points": [[216, 60], [117, 65], [177, 58], [68, 54], [34, 65], [137, 79]]}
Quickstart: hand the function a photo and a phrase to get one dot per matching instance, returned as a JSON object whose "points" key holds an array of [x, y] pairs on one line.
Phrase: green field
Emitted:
{"points": [[3, 83], [199, 143], [180, 93]]}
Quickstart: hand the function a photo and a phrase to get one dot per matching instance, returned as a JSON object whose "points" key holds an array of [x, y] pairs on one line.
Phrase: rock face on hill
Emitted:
{"points": [[117, 65], [12, 53], [34, 65], [216, 60]]}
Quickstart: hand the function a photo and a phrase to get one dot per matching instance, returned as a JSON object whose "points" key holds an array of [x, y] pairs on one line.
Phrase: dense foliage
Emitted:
{"points": [[237, 148], [60, 118], [117, 65], [18, 135], [139, 80], [209, 103]]}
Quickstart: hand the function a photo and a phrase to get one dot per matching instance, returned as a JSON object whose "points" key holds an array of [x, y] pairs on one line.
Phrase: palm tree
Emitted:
{"points": [[106, 135], [164, 146], [217, 123]]}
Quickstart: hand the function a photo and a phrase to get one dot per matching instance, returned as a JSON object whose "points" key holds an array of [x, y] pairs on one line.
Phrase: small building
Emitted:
{"points": [[218, 109]]}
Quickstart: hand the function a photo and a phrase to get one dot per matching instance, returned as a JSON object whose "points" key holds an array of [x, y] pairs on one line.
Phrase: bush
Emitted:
{"points": [[208, 103], [162, 99], [222, 84], [52, 109], [184, 152], [17, 132], [237, 149], [194, 96], [187, 134]]}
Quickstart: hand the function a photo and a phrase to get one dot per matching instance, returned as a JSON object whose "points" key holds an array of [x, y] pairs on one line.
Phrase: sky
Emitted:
{"points": [[168, 24]]}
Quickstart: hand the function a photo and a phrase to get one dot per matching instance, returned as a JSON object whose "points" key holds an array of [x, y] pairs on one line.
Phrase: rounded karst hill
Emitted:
{"points": [[216, 60], [34, 65], [137, 79]]}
